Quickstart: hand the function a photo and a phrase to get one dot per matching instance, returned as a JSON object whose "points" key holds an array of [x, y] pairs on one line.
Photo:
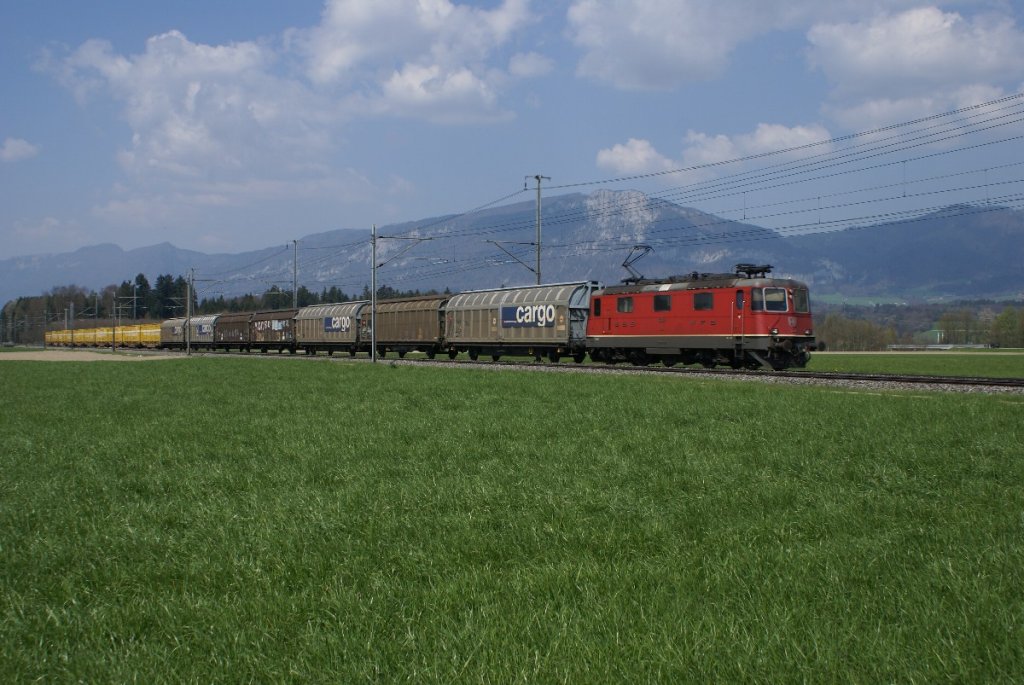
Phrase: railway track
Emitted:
{"points": [[864, 380], [951, 383]]}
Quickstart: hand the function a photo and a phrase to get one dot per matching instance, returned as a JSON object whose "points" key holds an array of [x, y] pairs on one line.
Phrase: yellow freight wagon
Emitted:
{"points": [[149, 334], [103, 337]]}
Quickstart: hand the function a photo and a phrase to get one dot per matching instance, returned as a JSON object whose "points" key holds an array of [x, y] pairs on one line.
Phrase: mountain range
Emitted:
{"points": [[959, 252]]}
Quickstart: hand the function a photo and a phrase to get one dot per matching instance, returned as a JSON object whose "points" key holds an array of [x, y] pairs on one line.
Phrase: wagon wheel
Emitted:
{"points": [[553, 356], [495, 357], [401, 354], [431, 353], [453, 353], [474, 353], [579, 357]]}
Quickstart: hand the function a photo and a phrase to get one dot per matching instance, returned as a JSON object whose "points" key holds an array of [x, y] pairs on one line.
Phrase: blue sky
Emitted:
{"points": [[234, 125]]}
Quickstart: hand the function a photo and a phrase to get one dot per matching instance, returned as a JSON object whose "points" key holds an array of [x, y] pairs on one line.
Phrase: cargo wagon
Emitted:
{"points": [[543, 320]]}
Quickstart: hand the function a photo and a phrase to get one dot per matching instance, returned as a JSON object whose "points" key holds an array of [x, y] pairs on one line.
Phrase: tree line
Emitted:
{"points": [[25, 319], [840, 327], [859, 328]]}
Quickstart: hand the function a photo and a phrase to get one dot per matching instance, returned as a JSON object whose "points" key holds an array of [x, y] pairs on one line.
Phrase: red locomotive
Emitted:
{"points": [[743, 319]]}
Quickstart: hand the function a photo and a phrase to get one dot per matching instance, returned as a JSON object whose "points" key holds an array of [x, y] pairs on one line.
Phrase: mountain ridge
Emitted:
{"points": [[957, 252]]}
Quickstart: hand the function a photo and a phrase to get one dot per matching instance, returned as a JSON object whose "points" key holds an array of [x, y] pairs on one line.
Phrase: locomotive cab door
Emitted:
{"points": [[738, 316]]}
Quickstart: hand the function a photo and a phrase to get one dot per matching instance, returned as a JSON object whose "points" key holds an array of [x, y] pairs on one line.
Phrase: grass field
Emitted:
{"points": [[271, 520], [1007, 364]]}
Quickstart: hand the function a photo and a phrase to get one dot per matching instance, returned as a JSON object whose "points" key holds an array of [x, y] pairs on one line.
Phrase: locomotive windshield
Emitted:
{"points": [[768, 299], [801, 301]]}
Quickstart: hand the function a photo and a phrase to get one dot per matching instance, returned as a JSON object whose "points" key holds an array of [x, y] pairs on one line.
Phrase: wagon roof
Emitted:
{"points": [[570, 294], [412, 304], [275, 314], [318, 311], [417, 298], [235, 317]]}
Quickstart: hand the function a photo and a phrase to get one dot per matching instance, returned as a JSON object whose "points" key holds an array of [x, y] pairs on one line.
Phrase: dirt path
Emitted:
{"points": [[62, 355]]}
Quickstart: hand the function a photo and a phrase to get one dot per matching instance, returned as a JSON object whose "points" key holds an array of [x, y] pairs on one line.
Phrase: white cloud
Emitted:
{"points": [[916, 51], [922, 61], [237, 125], [16, 149], [655, 44], [529, 65], [661, 44], [197, 109], [431, 59], [701, 150], [636, 156], [56, 235]]}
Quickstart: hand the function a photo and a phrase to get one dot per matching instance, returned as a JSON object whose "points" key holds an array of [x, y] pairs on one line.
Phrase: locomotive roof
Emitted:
{"points": [[699, 281]]}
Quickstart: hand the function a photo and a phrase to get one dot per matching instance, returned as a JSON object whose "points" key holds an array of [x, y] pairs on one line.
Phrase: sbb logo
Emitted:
{"points": [[528, 316], [337, 324]]}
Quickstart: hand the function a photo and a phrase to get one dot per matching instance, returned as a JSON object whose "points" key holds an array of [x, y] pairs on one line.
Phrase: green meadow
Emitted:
{"points": [[271, 520], [974, 364]]}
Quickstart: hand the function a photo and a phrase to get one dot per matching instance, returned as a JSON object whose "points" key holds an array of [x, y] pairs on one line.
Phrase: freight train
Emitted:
{"points": [[744, 319]]}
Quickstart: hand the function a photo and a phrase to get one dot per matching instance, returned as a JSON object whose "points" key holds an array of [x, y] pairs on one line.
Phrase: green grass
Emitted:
{"points": [[972, 364], [272, 520]]}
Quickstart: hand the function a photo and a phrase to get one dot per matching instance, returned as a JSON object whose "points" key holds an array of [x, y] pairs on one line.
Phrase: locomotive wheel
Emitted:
{"points": [[639, 358], [669, 360]]}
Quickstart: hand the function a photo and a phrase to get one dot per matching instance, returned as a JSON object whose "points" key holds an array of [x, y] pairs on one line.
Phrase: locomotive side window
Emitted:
{"points": [[775, 299], [597, 306], [703, 301], [801, 301], [662, 303], [756, 300], [739, 300], [624, 305]]}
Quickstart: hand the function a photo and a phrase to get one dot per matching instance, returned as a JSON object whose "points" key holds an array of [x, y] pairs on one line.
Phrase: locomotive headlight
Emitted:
{"points": [[774, 331], [808, 332]]}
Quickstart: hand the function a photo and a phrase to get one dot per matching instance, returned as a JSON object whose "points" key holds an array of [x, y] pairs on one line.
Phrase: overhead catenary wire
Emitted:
{"points": [[859, 153]]}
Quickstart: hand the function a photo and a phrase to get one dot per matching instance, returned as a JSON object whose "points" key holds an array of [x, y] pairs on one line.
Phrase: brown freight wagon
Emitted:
{"points": [[232, 332], [542, 320], [414, 324], [273, 330], [330, 328]]}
